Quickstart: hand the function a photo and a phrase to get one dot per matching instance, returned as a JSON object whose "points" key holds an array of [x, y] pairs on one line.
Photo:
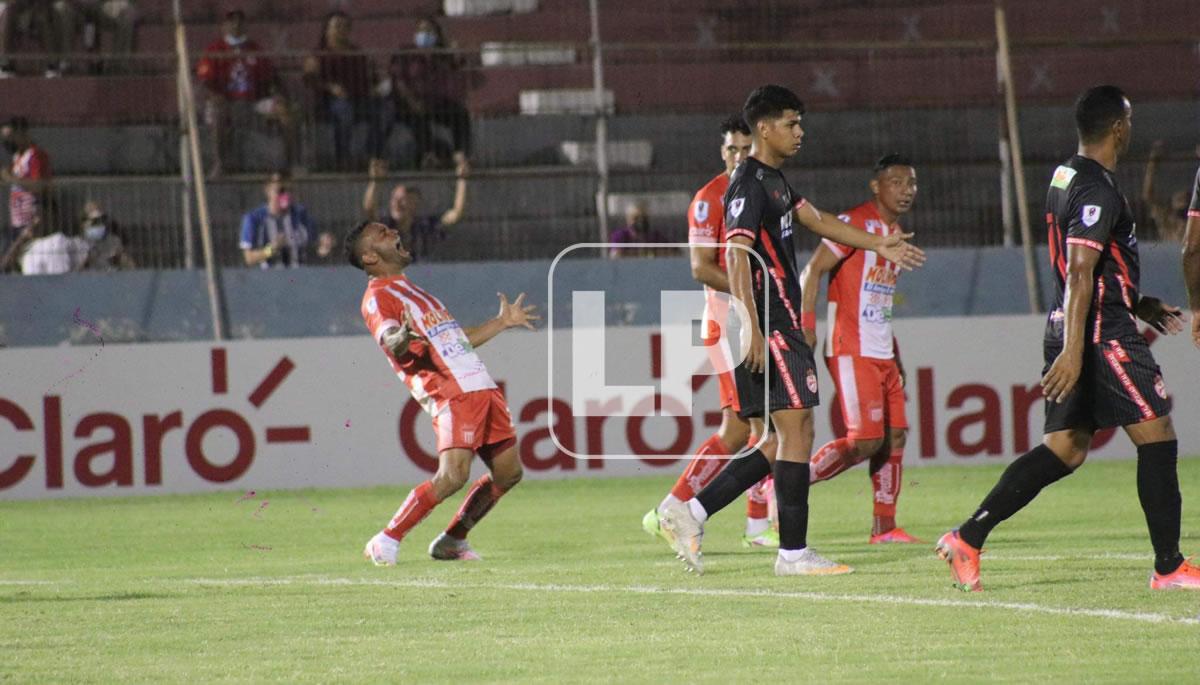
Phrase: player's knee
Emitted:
{"points": [[868, 447], [451, 477], [508, 478], [1070, 447], [899, 438], [733, 435]]}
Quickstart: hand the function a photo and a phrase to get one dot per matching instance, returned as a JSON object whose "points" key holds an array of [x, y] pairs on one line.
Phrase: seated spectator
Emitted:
{"points": [[242, 85], [343, 81], [420, 231], [48, 255], [106, 248], [86, 19], [428, 87], [326, 252], [26, 18], [636, 230], [27, 175], [1166, 220], [276, 234]]}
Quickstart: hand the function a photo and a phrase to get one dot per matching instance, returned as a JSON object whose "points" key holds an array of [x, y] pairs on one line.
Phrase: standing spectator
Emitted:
{"points": [[87, 18], [276, 234], [1169, 218], [241, 85], [420, 231], [106, 248], [28, 176], [636, 230], [428, 87], [30, 17], [343, 81]]}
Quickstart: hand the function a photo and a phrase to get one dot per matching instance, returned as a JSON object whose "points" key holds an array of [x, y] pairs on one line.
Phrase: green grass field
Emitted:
{"points": [[206, 588]]}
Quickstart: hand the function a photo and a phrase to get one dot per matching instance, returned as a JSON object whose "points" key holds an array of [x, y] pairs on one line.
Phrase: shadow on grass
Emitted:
{"points": [[21, 598]]}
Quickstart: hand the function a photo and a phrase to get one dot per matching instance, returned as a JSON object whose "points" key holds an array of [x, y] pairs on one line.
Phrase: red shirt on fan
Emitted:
{"points": [[861, 289], [706, 224], [241, 75], [31, 163], [441, 367]]}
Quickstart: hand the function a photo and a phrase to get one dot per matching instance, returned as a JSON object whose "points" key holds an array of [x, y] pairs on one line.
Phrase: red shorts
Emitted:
{"points": [[478, 421], [719, 354], [871, 394]]}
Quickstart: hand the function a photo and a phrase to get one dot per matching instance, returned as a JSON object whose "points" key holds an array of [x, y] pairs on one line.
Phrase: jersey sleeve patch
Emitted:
{"points": [[1063, 176], [700, 211]]}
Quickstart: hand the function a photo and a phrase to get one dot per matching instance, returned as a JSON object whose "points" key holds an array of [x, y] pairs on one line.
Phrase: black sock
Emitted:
{"points": [[1158, 491], [791, 496], [738, 475], [1020, 483]]}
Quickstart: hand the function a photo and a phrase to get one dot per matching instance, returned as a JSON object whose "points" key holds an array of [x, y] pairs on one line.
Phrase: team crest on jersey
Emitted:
{"points": [[811, 381], [759, 174], [1090, 215], [1160, 387], [735, 207], [372, 306], [701, 211], [1063, 176]]}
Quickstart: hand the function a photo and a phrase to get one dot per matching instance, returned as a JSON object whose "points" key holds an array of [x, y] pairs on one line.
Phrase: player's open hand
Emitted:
{"points": [[1060, 380], [753, 344], [896, 249], [1162, 316], [517, 313], [398, 338]]}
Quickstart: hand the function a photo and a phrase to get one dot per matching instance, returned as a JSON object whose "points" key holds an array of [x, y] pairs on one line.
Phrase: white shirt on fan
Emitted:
{"points": [[54, 254]]}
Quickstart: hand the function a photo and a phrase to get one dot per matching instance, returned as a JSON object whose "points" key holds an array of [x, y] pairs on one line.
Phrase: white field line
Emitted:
{"points": [[32, 582], [891, 600]]}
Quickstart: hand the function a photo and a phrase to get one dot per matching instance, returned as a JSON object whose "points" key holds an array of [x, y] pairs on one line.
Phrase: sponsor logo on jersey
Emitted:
{"points": [[880, 279], [372, 306], [1090, 215], [701, 211], [785, 225], [1063, 176], [735, 207], [874, 313]]}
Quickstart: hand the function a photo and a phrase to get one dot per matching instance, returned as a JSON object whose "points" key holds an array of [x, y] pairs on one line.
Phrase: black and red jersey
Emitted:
{"points": [[758, 205], [1085, 207]]}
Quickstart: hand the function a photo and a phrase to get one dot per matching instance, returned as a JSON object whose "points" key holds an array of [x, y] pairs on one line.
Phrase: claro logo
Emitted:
{"points": [[104, 454]]}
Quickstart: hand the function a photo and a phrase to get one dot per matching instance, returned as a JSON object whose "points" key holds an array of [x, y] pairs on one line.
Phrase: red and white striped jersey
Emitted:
{"points": [[441, 367], [861, 288], [706, 224], [31, 163]]}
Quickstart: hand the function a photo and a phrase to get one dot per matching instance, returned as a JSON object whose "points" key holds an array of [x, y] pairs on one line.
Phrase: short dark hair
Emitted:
{"points": [[18, 124], [892, 159], [769, 101], [1096, 110], [236, 14], [350, 244], [735, 124]]}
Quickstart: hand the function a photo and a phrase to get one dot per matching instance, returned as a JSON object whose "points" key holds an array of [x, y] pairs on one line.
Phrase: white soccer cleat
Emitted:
{"points": [[446, 548], [809, 564], [382, 550], [688, 533]]}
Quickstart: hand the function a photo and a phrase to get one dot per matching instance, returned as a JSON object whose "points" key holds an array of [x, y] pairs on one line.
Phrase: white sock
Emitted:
{"points": [[667, 501], [697, 510], [791, 554], [755, 527]]}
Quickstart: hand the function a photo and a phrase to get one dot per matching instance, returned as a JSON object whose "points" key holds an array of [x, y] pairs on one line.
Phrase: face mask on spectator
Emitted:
{"points": [[425, 39], [234, 41], [95, 233]]}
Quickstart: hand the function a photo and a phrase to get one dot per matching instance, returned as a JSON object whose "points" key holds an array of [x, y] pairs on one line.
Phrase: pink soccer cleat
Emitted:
{"points": [[1186, 577], [963, 560], [894, 536]]}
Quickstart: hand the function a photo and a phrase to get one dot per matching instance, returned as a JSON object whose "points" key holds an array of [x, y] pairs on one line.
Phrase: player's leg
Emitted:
{"points": [[708, 460], [861, 391], [887, 465], [454, 467]]}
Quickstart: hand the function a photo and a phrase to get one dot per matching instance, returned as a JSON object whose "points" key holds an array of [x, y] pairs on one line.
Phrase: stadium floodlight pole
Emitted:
{"points": [[185, 174], [1033, 286], [1006, 191], [189, 101], [601, 125]]}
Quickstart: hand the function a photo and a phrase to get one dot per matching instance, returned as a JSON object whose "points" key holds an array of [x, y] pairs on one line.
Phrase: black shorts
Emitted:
{"points": [[790, 381], [1120, 385]]}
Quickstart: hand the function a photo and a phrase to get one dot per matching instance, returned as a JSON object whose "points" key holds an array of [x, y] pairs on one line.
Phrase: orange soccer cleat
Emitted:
{"points": [[963, 560], [894, 536], [1186, 577]]}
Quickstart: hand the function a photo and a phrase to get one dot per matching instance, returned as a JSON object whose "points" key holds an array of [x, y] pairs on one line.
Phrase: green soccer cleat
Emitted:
{"points": [[650, 524], [768, 539]]}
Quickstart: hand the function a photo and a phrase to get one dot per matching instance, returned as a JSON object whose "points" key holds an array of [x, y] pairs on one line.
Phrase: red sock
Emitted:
{"points": [[756, 499], [480, 500], [886, 483], [831, 459], [700, 470], [416, 507]]}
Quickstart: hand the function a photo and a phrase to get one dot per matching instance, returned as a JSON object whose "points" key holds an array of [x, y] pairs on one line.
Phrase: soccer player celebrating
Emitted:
{"points": [[435, 357], [860, 349], [1191, 260], [1099, 372], [760, 208], [706, 231]]}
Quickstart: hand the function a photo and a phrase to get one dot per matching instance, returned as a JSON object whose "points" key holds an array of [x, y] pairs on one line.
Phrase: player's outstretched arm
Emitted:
{"points": [[821, 263], [1191, 269], [894, 248], [737, 258], [376, 169], [512, 314], [1060, 380]]}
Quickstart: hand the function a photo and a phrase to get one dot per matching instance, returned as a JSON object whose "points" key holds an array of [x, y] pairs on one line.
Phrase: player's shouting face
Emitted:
{"points": [[782, 135], [380, 246]]}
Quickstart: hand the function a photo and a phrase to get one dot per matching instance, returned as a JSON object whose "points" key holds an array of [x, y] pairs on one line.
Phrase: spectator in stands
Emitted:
{"points": [[1166, 220], [242, 85], [28, 178], [344, 80], [636, 230], [106, 248], [29, 18], [420, 231], [47, 254], [429, 87], [326, 252], [88, 18], [276, 234]]}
